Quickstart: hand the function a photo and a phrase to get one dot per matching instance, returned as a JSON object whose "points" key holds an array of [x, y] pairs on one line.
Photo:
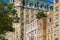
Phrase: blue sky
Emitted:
{"points": [[7, 0], [45, 0], [49, 0]]}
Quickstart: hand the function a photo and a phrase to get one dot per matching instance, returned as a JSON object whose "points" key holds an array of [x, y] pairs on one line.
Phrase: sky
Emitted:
{"points": [[49, 0], [45, 0], [7, 0]]}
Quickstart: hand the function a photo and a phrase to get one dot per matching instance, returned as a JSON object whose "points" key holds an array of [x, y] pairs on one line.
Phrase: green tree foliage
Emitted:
{"points": [[40, 15], [7, 17]]}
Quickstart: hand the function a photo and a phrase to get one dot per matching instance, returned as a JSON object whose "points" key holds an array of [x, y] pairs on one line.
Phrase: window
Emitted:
{"points": [[37, 4], [30, 4], [41, 6], [27, 21], [51, 8], [27, 16], [32, 17], [40, 25], [27, 28], [56, 32], [44, 32], [34, 37], [56, 16], [56, 1], [56, 8], [27, 11], [49, 29], [32, 11], [56, 38], [56, 24], [34, 31], [50, 19]]}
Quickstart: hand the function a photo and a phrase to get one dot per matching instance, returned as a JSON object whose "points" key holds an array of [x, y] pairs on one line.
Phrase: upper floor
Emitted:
{"points": [[47, 5]]}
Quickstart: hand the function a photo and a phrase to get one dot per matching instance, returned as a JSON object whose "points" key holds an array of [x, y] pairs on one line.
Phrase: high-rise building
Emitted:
{"points": [[27, 17], [20, 10], [46, 28], [51, 24]]}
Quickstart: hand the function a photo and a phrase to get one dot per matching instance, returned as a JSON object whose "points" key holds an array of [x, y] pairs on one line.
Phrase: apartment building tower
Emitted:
{"points": [[46, 28], [27, 17]]}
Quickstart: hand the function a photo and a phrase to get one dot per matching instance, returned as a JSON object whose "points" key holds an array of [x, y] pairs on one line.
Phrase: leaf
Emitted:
{"points": [[5, 19], [40, 15]]}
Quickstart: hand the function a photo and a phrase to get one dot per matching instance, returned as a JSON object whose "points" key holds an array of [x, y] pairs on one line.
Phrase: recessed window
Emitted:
{"points": [[49, 29], [34, 31], [34, 37], [56, 1], [27, 16], [51, 8], [32, 17], [50, 19], [27, 21], [41, 6], [32, 11], [35, 5], [56, 16], [56, 8], [30, 4], [56, 38], [56, 32], [56, 24], [40, 25], [27, 11]]}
